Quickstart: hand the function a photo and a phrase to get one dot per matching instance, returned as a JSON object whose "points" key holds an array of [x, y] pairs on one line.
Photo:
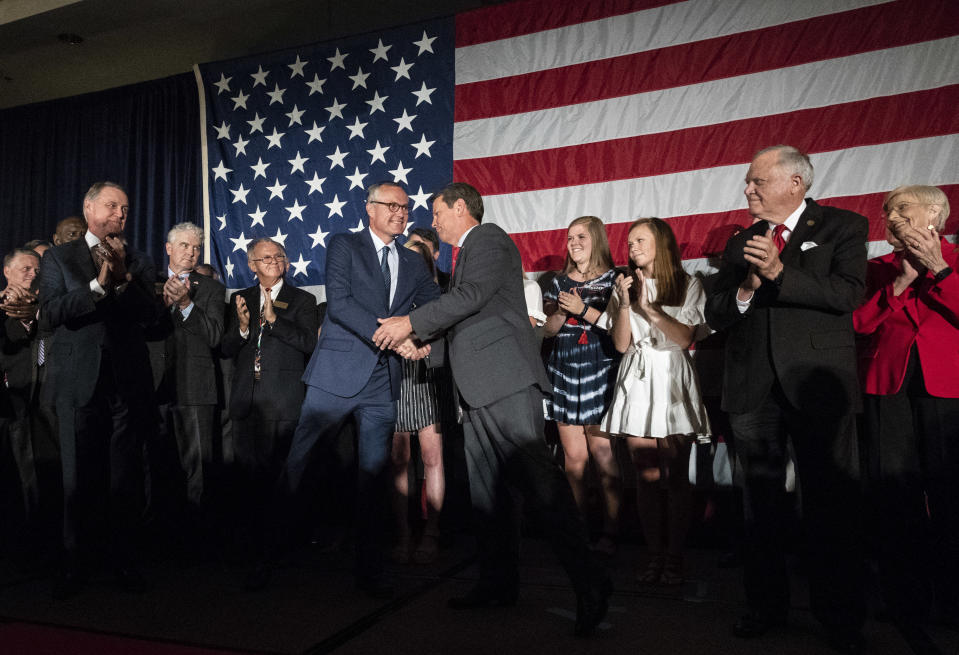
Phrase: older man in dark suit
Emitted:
{"points": [[496, 368], [182, 353], [18, 367], [785, 294], [270, 333], [96, 293]]}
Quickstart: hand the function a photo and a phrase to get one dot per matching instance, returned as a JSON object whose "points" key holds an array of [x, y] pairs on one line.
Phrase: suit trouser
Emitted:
{"points": [[260, 446], [828, 462], [193, 428], [912, 444], [321, 418], [21, 447], [101, 446], [506, 456]]}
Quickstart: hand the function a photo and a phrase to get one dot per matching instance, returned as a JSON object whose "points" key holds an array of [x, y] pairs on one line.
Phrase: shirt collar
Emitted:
{"points": [[379, 245], [459, 244], [793, 219], [274, 290], [91, 239]]}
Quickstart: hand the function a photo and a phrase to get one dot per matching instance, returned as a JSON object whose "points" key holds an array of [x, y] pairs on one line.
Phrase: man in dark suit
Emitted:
{"points": [[496, 368], [269, 335], [367, 276], [784, 294], [182, 353], [18, 368], [96, 293]]}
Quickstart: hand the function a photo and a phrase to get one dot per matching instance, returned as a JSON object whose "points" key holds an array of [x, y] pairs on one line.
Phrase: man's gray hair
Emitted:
{"points": [[373, 188], [10, 256], [794, 161], [186, 226], [97, 187], [256, 242]]}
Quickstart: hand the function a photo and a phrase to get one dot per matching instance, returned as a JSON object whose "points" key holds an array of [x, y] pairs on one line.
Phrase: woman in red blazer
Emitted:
{"points": [[910, 373]]}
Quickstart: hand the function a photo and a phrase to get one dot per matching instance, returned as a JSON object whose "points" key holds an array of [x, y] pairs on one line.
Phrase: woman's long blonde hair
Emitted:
{"points": [[600, 259]]}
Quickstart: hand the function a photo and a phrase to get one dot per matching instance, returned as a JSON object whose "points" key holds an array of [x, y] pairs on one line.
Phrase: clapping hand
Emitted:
{"points": [[924, 247], [242, 314], [176, 291], [571, 303], [18, 302], [761, 251], [269, 313]]}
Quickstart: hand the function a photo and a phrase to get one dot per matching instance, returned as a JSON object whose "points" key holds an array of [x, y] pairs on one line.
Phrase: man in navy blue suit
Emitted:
{"points": [[367, 277]]}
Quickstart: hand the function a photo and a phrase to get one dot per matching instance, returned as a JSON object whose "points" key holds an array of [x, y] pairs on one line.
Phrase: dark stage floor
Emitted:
{"points": [[312, 607]]}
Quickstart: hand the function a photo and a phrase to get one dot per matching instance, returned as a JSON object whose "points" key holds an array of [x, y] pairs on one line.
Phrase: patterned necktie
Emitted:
{"points": [[41, 351], [385, 268], [258, 353], [97, 253], [779, 236]]}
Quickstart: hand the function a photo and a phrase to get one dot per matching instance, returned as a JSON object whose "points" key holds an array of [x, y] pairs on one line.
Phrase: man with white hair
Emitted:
{"points": [[785, 294], [182, 346]]}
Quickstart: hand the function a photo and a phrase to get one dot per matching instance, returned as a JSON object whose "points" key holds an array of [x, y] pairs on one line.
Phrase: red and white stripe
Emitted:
{"points": [[629, 108]]}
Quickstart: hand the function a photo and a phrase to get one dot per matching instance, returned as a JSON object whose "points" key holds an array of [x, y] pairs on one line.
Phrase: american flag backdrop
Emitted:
{"points": [[614, 108], [295, 137]]}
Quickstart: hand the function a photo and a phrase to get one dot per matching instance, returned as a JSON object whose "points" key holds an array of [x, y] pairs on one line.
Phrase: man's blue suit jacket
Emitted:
{"points": [[356, 296]]}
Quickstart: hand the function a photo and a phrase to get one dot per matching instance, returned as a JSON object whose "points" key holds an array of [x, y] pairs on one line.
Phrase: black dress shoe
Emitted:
{"points": [[376, 588], [479, 597], [591, 607], [846, 640], [68, 584], [258, 578], [755, 624], [130, 580]]}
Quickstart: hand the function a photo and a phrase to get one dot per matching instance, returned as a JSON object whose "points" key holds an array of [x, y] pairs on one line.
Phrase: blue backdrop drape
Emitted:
{"points": [[143, 136]]}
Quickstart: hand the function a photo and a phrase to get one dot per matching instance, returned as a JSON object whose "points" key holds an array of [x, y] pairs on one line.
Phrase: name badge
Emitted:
{"points": [[279, 304]]}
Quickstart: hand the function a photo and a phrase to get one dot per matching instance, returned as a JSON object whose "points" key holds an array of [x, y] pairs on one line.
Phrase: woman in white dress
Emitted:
{"points": [[655, 315]]}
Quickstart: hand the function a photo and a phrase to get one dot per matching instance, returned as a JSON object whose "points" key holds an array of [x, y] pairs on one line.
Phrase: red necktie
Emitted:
{"points": [[779, 236], [456, 253]]}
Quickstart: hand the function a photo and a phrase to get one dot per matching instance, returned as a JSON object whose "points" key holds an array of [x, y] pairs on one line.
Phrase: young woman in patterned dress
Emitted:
{"points": [[582, 366]]}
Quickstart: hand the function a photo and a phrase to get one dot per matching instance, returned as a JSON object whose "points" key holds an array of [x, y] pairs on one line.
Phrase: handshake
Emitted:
{"points": [[396, 333]]}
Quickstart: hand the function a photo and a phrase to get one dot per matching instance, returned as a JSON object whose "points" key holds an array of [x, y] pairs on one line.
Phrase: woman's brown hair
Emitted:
{"points": [[671, 278]]}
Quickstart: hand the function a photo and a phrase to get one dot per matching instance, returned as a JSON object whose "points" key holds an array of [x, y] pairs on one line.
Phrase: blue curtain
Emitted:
{"points": [[144, 136]]}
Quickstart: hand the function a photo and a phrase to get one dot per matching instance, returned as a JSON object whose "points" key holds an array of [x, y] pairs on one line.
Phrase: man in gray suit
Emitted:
{"points": [[182, 346], [496, 368]]}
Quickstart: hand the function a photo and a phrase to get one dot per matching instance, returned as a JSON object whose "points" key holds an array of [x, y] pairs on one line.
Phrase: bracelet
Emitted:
{"points": [[582, 314]]}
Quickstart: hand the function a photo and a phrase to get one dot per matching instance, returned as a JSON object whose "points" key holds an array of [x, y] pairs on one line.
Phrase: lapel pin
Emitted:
{"points": [[810, 222]]}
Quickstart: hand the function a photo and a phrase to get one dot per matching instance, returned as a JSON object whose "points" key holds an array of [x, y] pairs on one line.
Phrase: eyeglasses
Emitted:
{"points": [[392, 206], [269, 259]]}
